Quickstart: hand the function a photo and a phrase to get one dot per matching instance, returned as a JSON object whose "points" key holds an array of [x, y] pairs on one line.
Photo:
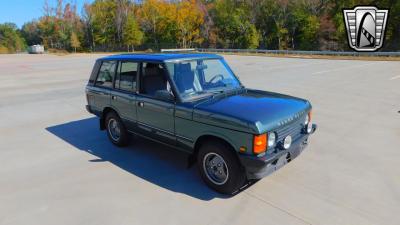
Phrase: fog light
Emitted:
{"points": [[271, 139], [287, 142], [309, 128]]}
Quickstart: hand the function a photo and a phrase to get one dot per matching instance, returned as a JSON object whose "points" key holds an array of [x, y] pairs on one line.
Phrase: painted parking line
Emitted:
{"points": [[343, 68], [395, 77]]}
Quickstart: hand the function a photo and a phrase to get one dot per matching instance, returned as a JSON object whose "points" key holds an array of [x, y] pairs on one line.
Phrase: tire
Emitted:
{"points": [[116, 130], [213, 174]]}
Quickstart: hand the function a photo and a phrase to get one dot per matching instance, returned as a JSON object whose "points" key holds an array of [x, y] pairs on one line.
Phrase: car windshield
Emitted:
{"points": [[202, 77]]}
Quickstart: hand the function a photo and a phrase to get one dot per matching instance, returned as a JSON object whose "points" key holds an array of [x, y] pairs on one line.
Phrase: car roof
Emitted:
{"points": [[161, 57]]}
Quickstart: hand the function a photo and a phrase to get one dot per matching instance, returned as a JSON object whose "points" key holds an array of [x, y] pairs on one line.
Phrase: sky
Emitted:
{"points": [[22, 11]]}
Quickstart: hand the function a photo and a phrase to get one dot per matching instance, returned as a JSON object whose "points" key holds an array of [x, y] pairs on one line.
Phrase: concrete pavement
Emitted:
{"points": [[56, 167]]}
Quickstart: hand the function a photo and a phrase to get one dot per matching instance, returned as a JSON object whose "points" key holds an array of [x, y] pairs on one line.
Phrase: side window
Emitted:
{"points": [[126, 79], [106, 74], [153, 79]]}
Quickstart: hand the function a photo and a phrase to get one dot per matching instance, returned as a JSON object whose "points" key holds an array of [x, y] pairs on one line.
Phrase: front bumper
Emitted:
{"points": [[88, 109], [259, 167]]}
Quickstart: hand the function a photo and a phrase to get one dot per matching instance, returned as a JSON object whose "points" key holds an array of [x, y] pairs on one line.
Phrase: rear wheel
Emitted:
{"points": [[116, 131], [220, 168]]}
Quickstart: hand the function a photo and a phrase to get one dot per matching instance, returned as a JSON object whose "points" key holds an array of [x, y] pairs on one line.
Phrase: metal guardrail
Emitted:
{"points": [[177, 49], [296, 52]]}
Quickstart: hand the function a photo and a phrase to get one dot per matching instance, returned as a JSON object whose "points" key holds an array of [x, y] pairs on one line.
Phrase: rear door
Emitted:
{"points": [[100, 92], [123, 96]]}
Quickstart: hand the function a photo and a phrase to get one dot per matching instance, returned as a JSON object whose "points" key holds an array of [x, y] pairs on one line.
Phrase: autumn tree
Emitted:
{"points": [[188, 20], [75, 41], [268, 24], [157, 20]]}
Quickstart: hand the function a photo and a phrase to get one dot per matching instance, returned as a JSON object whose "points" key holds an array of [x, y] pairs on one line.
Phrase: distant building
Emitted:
{"points": [[36, 49]]}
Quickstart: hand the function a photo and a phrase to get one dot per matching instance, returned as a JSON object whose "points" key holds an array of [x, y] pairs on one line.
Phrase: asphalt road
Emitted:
{"points": [[56, 167]]}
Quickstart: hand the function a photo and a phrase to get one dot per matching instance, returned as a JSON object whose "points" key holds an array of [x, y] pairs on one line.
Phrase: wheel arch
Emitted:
{"points": [[211, 138], [103, 116]]}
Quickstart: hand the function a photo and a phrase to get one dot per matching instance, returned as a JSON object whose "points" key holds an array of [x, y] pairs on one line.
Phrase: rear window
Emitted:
{"points": [[126, 78], [106, 74], [95, 70]]}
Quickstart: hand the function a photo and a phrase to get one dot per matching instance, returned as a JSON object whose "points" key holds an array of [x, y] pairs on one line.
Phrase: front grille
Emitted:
{"points": [[293, 129]]}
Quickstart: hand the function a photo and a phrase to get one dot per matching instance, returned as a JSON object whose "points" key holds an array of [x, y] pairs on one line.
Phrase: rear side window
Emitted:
{"points": [[106, 74], [95, 70], [126, 79]]}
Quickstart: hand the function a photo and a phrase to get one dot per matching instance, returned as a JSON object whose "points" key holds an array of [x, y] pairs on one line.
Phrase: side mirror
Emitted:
{"points": [[164, 95]]}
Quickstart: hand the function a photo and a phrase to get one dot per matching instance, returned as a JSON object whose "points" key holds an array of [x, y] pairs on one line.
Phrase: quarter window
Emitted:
{"points": [[126, 79], [106, 74]]}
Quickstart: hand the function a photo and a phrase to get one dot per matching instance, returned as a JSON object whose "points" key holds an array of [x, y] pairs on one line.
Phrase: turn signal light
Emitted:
{"points": [[309, 116], [260, 143]]}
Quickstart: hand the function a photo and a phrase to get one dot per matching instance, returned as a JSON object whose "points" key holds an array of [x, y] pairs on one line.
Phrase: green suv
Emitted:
{"points": [[195, 103]]}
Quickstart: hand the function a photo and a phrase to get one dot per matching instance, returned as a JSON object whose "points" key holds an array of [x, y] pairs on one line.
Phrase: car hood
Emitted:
{"points": [[251, 111]]}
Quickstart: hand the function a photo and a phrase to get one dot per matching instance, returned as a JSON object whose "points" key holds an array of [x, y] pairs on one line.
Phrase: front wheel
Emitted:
{"points": [[220, 168]]}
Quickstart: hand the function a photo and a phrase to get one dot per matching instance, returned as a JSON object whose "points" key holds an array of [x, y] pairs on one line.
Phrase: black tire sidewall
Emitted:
{"points": [[123, 140], [236, 177]]}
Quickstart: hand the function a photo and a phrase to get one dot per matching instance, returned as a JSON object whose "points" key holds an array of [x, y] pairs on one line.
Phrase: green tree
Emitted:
{"points": [[31, 32], [132, 35], [10, 39], [103, 22], [306, 24], [235, 29]]}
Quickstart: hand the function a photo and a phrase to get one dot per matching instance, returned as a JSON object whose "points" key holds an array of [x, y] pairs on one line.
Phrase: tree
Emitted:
{"points": [[235, 29], [157, 19], [75, 41], [132, 35], [269, 24], [188, 20], [10, 39], [31, 32], [103, 22]]}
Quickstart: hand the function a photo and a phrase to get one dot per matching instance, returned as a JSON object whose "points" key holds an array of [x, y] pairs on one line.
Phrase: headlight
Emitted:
{"points": [[271, 139], [309, 127], [306, 120]]}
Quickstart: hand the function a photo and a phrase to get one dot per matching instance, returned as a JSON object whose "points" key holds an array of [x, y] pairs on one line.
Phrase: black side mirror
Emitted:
{"points": [[164, 95]]}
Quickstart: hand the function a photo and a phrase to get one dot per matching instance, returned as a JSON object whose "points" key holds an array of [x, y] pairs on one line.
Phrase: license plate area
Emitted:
{"points": [[278, 163], [282, 161]]}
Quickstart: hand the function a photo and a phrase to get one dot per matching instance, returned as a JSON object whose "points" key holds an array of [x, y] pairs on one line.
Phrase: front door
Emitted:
{"points": [[155, 116]]}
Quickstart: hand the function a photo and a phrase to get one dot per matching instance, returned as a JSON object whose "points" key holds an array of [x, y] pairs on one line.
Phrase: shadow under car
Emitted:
{"points": [[156, 163]]}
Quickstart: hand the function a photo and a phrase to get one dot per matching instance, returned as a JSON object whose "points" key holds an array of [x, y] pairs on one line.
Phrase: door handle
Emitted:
{"points": [[140, 104]]}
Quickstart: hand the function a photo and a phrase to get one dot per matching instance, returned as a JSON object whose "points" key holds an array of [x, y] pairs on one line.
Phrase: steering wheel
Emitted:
{"points": [[215, 78]]}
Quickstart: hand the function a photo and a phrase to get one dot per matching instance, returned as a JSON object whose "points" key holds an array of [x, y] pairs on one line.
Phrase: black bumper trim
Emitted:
{"points": [[88, 109], [259, 167]]}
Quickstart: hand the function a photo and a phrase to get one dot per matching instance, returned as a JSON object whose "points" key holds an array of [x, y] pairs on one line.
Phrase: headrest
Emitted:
{"points": [[152, 70], [185, 77], [184, 68]]}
